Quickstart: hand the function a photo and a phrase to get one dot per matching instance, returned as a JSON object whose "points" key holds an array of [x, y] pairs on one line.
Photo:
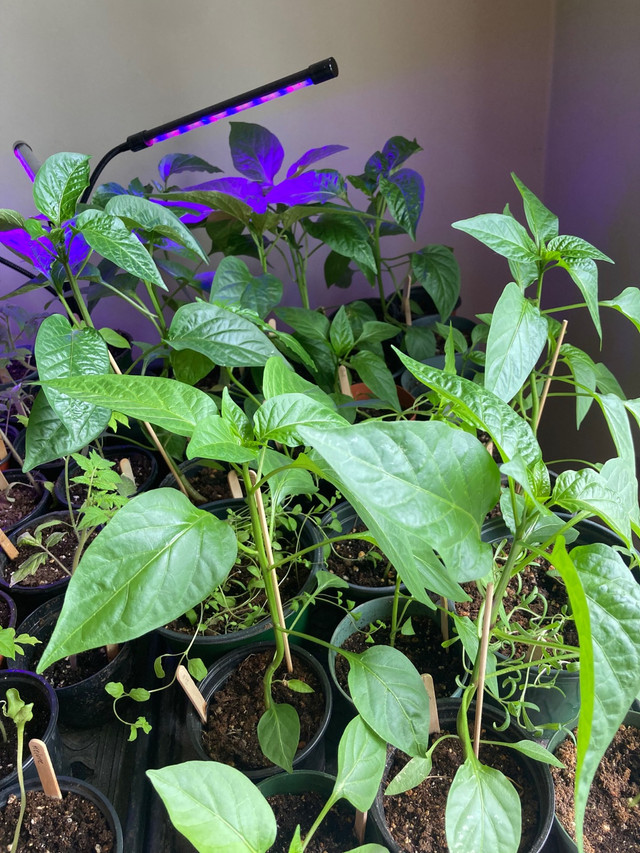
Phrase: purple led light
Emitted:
{"points": [[24, 164], [279, 93]]}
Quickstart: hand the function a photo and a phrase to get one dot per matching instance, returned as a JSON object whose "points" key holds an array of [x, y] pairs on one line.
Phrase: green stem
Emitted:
{"points": [[394, 612], [323, 813], [23, 793], [77, 295], [154, 301]]}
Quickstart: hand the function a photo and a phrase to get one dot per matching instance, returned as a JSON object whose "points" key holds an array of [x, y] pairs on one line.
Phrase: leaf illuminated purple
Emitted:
{"points": [[312, 156], [255, 151], [308, 188]]}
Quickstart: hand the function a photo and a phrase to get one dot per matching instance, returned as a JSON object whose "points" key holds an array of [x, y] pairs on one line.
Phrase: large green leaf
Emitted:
{"points": [[214, 438], [615, 411], [140, 213], [605, 601], [483, 811], [166, 403], [575, 248], [404, 194], [420, 487], [587, 490], [279, 378], [361, 759], [627, 303], [156, 558], [278, 734], [58, 185], [375, 374], [109, 236], [502, 234], [216, 201], [346, 235], [543, 223], [281, 418], [584, 373], [517, 336], [584, 273], [10, 219], [437, 270], [234, 283], [222, 335], [215, 807], [391, 698], [304, 321], [341, 334]]}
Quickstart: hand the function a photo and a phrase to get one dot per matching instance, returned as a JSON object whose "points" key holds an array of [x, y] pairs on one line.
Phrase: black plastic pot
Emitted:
{"points": [[540, 782], [14, 475], [464, 366], [311, 757], [69, 785], [210, 648], [13, 614], [564, 842], [7, 461], [34, 688], [190, 468], [85, 703]]}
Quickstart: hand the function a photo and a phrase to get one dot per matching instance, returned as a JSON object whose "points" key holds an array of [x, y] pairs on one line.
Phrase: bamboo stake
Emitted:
{"points": [[8, 547], [46, 773], [482, 668], [406, 302], [3, 449], [552, 367], [234, 484], [112, 650], [4, 483], [434, 720], [360, 824], [127, 471], [274, 577], [193, 694]]}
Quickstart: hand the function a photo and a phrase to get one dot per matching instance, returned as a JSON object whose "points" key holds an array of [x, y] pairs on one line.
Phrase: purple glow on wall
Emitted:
{"points": [[185, 128]]}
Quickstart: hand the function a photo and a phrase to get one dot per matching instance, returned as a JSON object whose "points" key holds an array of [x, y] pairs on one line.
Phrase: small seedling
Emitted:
{"points": [[20, 713]]}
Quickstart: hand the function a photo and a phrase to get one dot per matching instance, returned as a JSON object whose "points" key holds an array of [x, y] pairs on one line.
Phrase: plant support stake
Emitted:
{"points": [[7, 546], [46, 773], [482, 666], [193, 694], [552, 367]]}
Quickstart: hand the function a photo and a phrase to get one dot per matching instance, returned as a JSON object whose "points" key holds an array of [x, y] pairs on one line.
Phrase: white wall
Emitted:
{"points": [[468, 78]]}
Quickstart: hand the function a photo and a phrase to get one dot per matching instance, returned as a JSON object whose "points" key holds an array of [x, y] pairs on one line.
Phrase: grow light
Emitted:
{"points": [[24, 154]]}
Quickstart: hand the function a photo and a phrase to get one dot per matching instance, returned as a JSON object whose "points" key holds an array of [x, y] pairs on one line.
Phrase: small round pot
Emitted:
{"points": [[564, 842], [86, 703], [190, 469], [113, 453], [311, 757], [210, 648], [34, 688], [26, 597], [14, 475], [69, 785], [541, 784]]}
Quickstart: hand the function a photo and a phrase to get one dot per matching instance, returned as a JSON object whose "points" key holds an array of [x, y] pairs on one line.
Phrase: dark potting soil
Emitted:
{"points": [[70, 825], [5, 614], [36, 727], [359, 562], [49, 571], [230, 734], [211, 483], [335, 834], [423, 648], [610, 824], [18, 502], [141, 466], [64, 673], [416, 819]]}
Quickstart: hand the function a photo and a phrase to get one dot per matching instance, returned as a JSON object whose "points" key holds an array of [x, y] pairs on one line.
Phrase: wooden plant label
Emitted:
{"points": [[193, 694], [434, 720], [5, 376], [3, 449], [234, 484], [360, 825], [8, 547], [46, 773], [4, 483], [343, 379], [127, 471], [112, 650]]}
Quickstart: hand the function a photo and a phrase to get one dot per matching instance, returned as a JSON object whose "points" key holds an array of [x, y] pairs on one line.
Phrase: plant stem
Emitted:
{"points": [[394, 612]]}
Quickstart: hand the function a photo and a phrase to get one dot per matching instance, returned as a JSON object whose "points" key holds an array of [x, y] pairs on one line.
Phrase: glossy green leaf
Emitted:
{"points": [[575, 248], [290, 481], [222, 335], [616, 414], [341, 334], [483, 811], [536, 751], [166, 403], [278, 734], [361, 759], [437, 270], [309, 324], [584, 273], [216, 201], [605, 601], [10, 219], [587, 490], [234, 283], [154, 219], [627, 303], [369, 848], [502, 234], [373, 332], [412, 774], [214, 438], [281, 418], [215, 807], [58, 185], [279, 378], [158, 556], [404, 193], [517, 337], [542, 223], [375, 374], [391, 698], [189, 366], [346, 235], [109, 236], [584, 373]]}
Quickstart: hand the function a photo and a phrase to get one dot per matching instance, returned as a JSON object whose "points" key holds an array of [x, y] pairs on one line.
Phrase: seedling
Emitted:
{"points": [[20, 713]]}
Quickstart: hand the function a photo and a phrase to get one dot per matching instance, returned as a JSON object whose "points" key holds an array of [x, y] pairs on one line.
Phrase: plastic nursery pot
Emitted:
{"points": [[346, 517], [28, 597], [362, 616], [310, 757], [211, 647], [14, 475], [564, 842], [33, 688], [114, 453], [7, 461], [11, 614], [209, 480], [537, 783], [85, 703], [69, 785]]}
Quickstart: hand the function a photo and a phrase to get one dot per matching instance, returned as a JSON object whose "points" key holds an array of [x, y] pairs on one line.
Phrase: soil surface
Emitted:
{"points": [[335, 834], [424, 650], [70, 825], [5, 614], [49, 571], [18, 502], [64, 673], [610, 825], [359, 562], [211, 483], [416, 819], [230, 734]]}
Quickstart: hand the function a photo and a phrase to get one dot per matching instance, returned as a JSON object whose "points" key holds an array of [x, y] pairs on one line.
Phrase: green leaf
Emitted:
{"points": [[483, 811], [375, 374], [164, 402], [11, 219], [154, 219], [584, 273], [139, 694], [158, 556], [369, 848], [189, 366], [390, 697], [341, 334], [214, 438], [58, 185], [584, 373], [281, 418], [223, 336], [113, 339], [517, 337], [299, 686], [215, 807], [536, 751], [404, 193], [296, 845], [278, 734], [308, 323], [437, 270], [542, 223], [627, 303], [575, 248], [502, 234], [279, 378], [412, 774], [216, 201], [587, 490], [233, 283], [615, 411], [115, 689], [109, 236], [197, 669], [361, 759], [346, 235], [373, 332]]}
